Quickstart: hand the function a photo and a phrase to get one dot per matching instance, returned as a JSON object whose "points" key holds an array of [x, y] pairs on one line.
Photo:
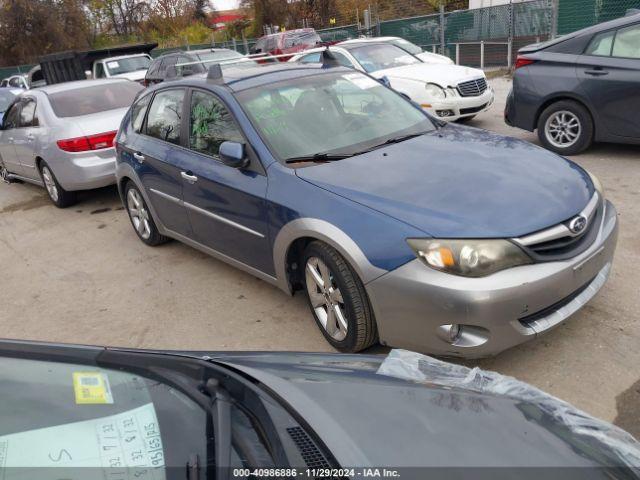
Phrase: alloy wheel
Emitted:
{"points": [[326, 298], [563, 129], [139, 214], [50, 184]]}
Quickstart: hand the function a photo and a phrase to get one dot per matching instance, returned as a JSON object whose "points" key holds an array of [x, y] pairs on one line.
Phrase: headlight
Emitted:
{"points": [[596, 184], [469, 258], [435, 91]]}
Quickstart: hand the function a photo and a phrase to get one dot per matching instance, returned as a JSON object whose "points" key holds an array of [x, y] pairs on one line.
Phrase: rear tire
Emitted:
{"points": [[140, 216], [565, 127], [60, 197], [338, 299]]}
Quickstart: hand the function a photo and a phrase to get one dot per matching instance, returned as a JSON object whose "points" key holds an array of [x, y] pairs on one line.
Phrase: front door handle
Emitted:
{"points": [[30, 138], [596, 72], [189, 177], [139, 157]]}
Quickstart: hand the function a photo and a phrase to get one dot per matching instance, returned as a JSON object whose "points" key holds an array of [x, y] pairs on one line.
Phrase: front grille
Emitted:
{"points": [[472, 88], [312, 456], [467, 111]]}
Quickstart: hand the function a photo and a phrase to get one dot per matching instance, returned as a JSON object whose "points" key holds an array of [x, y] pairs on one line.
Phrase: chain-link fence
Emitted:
{"points": [[483, 37]]}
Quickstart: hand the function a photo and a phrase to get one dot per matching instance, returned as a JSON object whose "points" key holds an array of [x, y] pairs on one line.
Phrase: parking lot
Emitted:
{"points": [[81, 275]]}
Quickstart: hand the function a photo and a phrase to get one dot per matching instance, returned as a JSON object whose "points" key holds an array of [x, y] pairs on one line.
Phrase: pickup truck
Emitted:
{"points": [[129, 61]]}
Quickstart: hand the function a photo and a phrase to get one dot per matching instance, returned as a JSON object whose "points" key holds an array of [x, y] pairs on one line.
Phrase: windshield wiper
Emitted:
{"points": [[390, 141], [319, 157]]}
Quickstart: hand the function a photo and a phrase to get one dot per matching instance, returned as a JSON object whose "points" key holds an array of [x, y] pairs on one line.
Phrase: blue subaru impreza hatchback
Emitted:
{"points": [[433, 237]]}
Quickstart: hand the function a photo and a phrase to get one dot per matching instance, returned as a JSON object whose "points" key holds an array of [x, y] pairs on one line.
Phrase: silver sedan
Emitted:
{"points": [[61, 136]]}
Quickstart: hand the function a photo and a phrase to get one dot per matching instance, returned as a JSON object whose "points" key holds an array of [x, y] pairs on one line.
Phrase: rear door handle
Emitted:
{"points": [[189, 177], [139, 157], [596, 72]]}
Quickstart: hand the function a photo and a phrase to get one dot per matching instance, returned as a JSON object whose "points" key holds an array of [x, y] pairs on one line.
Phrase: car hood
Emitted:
{"points": [[461, 182], [136, 76], [359, 413], [429, 57], [444, 75]]}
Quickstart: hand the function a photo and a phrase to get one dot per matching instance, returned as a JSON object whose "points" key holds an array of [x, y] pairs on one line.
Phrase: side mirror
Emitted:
{"points": [[88, 74], [233, 154], [385, 81]]}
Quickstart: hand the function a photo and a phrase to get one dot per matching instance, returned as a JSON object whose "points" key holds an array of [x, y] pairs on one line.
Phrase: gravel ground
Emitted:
{"points": [[81, 275]]}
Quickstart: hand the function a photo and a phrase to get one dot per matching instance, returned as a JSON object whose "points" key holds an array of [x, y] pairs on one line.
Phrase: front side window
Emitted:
{"points": [[28, 117], [379, 57], [348, 111], [165, 116], [80, 101], [210, 124], [317, 56], [627, 42], [601, 44]]}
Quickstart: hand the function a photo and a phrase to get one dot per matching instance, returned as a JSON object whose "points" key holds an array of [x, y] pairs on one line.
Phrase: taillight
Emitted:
{"points": [[523, 61], [84, 144]]}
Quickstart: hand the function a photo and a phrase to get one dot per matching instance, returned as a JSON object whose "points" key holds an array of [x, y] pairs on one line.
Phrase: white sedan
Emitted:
{"points": [[412, 48], [448, 92]]}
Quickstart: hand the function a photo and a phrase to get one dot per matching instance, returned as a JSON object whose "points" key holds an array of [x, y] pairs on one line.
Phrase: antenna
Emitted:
{"points": [[215, 74], [329, 60]]}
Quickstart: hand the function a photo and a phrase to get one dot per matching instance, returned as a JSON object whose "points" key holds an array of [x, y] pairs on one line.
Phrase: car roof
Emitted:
{"points": [[78, 84], [238, 79]]}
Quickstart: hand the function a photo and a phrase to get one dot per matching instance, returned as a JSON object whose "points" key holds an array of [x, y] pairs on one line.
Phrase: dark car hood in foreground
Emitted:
{"points": [[368, 419], [461, 182]]}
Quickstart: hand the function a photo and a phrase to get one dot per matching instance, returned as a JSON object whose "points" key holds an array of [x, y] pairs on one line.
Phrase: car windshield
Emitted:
{"points": [[350, 111], [127, 64], [70, 415], [6, 97], [412, 48], [98, 98], [376, 57]]}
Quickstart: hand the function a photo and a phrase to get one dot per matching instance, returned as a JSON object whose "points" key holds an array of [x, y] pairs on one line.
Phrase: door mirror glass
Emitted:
{"points": [[233, 154]]}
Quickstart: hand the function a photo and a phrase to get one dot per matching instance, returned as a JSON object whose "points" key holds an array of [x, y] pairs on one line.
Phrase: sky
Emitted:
{"points": [[225, 4]]}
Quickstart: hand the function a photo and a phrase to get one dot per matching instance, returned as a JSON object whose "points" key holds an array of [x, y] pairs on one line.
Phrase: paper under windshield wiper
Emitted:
{"points": [[319, 157]]}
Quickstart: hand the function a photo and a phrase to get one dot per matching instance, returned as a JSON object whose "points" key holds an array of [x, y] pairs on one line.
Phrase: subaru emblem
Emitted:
{"points": [[578, 224]]}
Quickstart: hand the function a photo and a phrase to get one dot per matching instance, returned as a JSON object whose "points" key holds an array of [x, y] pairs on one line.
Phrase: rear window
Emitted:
{"points": [[89, 100]]}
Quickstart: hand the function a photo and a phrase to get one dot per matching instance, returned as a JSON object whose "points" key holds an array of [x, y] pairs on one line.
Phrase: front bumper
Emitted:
{"points": [[86, 170], [414, 302], [461, 107]]}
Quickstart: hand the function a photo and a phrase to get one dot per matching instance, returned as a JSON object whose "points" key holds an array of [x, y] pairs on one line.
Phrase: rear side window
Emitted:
{"points": [[601, 44], [12, 117], [28, 117], [627, 42], [137, 113], [95, 99], [311, 58], [165, 115]]}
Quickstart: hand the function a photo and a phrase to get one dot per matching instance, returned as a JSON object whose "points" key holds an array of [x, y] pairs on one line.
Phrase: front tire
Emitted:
{"points": [[338, 299], [565, 127], [60, 197], [140, 216]]}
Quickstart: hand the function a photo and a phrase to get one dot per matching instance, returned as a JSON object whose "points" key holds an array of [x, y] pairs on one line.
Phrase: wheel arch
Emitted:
{"points": [[293, 238], [567, 97]]}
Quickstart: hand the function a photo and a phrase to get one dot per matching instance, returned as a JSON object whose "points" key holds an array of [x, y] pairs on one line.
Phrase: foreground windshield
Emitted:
{"points": [[68, 415], [379, 57], [6, 98], [129, 64], [408, 46], [348, 111]]}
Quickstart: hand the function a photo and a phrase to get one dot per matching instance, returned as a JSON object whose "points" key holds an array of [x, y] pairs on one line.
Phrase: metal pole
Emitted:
{"points": [[457, 54], [442, 45], [482, 54], [554, 18]]}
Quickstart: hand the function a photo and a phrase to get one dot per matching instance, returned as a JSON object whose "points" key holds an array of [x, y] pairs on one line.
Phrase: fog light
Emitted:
{"points": [[444, 113]]}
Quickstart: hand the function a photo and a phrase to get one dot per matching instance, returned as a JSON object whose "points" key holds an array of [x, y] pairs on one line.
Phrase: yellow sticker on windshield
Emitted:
{"points": [[92, 388]]}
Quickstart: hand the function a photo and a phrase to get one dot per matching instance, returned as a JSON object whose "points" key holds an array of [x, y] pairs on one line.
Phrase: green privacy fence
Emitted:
{"points": [[503, 29], [576, 14]]}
